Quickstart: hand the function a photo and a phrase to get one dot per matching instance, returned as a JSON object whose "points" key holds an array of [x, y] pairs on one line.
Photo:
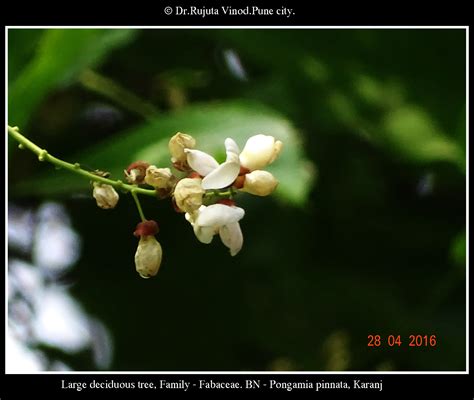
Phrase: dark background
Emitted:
{"points": [[375, 246]]}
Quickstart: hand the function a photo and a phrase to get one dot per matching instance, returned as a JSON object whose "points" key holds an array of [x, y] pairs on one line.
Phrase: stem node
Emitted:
{"points": [[43, 154]]}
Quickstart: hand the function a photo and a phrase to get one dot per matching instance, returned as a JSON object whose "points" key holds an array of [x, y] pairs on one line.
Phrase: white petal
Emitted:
{"points": [[259, 151], [189, 218], [224, 175], [231, 236], [219, 214], [231, 147], [259, 143], [201, 162], [204, 234]]}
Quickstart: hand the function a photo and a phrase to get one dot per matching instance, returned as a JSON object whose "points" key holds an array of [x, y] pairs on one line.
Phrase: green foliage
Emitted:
{"points": [[458, 250], [412, 133], [60, 56]]}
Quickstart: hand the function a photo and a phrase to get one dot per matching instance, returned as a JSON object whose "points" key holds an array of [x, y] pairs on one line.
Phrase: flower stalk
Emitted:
{"points": [[43, 155], [139, 206]]}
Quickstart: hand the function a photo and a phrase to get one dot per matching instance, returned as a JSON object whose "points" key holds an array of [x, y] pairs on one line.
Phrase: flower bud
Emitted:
{"points": [[176, 145], [159, 178], [260, 183], [188, 194], [105, 195], [148, 256], [259, 151], [136, 171]]}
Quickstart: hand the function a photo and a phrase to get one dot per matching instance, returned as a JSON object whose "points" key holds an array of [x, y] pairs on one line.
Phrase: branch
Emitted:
{"points": [[43, 155]]}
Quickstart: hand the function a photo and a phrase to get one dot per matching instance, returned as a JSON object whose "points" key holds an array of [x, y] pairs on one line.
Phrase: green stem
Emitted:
{"points": [[108, 88], [139, 206], [213, 196], [215, 193], [43, 155]]}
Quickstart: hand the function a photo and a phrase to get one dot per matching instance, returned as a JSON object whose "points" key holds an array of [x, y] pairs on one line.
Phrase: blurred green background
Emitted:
{"points": [[365, 236]]}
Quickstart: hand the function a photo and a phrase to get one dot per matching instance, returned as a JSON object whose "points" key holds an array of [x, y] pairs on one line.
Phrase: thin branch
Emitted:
{"points": [[43, 155]]}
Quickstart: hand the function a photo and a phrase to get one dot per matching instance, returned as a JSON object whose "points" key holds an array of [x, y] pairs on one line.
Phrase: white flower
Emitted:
{"points": [[160, 178], [148, 256], [188, 194], [260, 183], [216, 176], [260, 151], [105, 195], [177, 144], [135, 172], [221, 219]]}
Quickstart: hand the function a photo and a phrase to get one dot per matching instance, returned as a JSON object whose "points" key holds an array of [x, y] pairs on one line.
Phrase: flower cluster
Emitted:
{"points": [[240, 171], [202, 189]]}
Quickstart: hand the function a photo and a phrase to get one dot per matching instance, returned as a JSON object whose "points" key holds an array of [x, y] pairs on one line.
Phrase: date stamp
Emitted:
{"points": [[399, 341]]}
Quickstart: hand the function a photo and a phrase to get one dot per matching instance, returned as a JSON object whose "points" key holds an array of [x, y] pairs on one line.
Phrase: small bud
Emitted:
{"points": [[148, 256], [188, 194], [176, 145], [135, 172], [260, 183], [42, 155], [105, 195], [103, 174], [260, 151], [159, 178]]}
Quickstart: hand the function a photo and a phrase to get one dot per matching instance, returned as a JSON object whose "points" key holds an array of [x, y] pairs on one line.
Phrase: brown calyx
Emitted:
{"points": [[239, 182], [194, 175], [226, 202], [146, 228]]}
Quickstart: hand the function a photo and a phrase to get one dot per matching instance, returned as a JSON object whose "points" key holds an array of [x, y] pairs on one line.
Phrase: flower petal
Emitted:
{"points": [[201, 162], [260, 183], [231, 149], [231, 236], [148, 256], [177, 144], [204, 234], [225, 174], [259, 151], [219, 214], [188, 194], [105, 195]]}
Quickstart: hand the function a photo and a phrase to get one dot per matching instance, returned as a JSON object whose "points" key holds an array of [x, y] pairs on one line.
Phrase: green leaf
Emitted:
{"points": [[210, 124], [61, 55], [21, 48], [460, 133], [412, 133], [458, 249]]}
